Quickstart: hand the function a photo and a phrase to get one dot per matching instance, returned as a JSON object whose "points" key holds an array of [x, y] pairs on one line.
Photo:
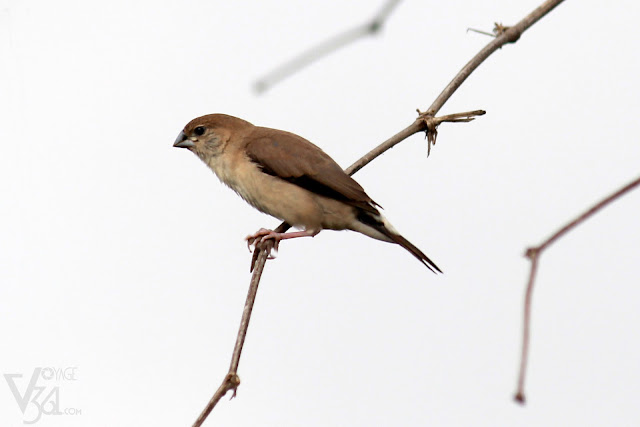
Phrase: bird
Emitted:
{"points": [[288, 177]]}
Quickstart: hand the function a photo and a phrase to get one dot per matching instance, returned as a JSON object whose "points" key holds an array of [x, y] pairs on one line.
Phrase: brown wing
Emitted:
{"points": [[294, 159]]}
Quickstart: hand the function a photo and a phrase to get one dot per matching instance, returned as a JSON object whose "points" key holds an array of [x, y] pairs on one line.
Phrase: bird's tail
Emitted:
{"points": [[414, 251], [380, 224]]}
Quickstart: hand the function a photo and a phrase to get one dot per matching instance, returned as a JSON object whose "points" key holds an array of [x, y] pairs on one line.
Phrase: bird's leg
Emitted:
{"points": [[264, 234]]}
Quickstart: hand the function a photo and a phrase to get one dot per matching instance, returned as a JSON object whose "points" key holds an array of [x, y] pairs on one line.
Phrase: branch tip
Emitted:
{"points": [[498, 30], [485, 33]]}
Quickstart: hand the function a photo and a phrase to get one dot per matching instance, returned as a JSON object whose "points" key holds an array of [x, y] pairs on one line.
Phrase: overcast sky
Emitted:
{"points": [[123, 258]]}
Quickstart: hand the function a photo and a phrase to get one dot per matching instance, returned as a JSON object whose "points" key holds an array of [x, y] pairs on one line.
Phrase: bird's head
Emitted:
{"points": [[208, 136]]}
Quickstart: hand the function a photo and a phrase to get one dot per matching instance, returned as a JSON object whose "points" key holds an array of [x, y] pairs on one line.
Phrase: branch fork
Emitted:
{"points": [[533, 254]]}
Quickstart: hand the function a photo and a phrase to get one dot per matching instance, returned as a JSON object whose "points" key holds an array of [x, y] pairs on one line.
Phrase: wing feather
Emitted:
{"points": [[296, 160]]}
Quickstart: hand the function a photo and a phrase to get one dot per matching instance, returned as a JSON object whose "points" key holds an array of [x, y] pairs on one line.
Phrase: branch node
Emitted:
{"points": [[375, 26], [431, 123], [532, 253], [512, 34], [232, 381]]}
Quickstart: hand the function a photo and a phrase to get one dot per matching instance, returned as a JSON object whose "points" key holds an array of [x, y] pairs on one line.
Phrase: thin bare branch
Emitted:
{"points": [[419, 125], [533, 254], [331, 45], [384, 13], [510, 35], [232, 380], [519, 396], [588, 213]]}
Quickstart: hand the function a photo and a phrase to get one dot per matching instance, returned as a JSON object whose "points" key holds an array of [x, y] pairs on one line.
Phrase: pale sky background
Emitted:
{"points": [[124, 257]]}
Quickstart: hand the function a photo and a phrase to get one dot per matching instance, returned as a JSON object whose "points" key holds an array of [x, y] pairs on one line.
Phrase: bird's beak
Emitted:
{"points": [[182, 141]]}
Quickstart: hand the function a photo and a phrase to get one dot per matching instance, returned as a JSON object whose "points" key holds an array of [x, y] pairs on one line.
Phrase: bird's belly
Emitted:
{"points": [[282, 200]]}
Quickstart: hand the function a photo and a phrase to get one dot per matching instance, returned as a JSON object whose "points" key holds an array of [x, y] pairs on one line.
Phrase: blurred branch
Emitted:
{"points": [[421, 124], [533, 254], [325, 48]]}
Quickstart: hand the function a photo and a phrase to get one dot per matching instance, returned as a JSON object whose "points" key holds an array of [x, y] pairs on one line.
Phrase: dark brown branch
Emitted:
{"points": [[421, 124], [325, 48], [533, 254]]}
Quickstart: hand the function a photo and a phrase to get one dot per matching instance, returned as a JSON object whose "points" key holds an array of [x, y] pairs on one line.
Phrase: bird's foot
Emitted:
{"points": [[262, 235]]}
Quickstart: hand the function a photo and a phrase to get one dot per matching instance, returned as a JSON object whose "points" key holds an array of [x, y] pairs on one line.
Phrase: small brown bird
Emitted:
{"points": [[286, 176]]}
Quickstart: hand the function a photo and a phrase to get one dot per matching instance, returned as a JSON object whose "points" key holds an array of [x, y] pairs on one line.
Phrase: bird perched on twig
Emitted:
{"points": [[286, 176]]}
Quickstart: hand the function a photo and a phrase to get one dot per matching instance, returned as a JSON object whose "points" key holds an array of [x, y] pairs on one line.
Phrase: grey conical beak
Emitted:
{"points": [[183, 142]]}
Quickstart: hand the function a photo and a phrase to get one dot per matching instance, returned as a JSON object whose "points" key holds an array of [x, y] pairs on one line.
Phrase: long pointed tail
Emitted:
{"points": [[382, 226], [414, 251]]}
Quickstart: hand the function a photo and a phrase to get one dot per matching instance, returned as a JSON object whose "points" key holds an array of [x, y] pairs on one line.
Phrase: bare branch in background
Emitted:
{"points": [[325, 48], [421, 124], [533, 254]]}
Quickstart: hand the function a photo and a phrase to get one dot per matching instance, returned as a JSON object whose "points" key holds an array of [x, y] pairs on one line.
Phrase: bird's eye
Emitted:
{"points": [[199, 131]]}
